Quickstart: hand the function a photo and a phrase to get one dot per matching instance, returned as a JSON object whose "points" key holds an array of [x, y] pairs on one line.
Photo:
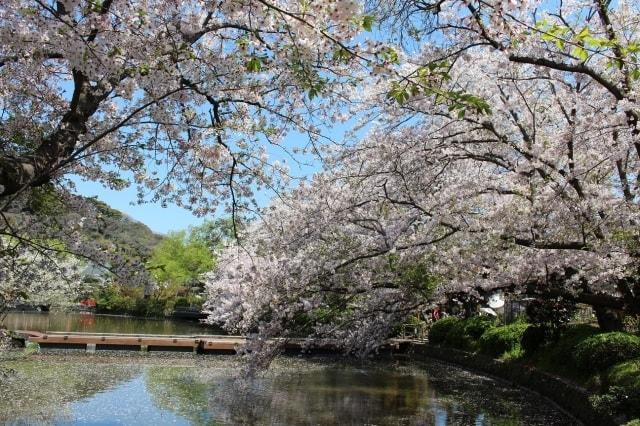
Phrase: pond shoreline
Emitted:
{"points": [[569, 397]]}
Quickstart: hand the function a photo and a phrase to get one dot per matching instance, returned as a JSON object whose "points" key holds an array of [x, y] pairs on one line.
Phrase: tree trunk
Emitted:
{"points": [[35, 169]]}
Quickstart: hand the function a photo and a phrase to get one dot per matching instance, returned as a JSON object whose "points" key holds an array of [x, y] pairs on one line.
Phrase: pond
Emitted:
{"points": [[197, 390], [91, 323]]}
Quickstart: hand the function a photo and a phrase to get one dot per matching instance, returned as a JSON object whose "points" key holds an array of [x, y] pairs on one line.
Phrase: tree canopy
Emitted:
{"points": [[504, 156], [501, 150], [179, 260]]}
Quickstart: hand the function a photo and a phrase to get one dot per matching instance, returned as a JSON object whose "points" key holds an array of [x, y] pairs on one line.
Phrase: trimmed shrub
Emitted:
{"points": [[476, 326], [457, 338], [619, 402], [515, 354], [625, 374], [465, 334], [557, 358], [499, 340], [440, 329], [604, 350]]}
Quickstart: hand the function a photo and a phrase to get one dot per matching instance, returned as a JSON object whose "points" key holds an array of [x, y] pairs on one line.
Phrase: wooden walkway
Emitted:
{"points": [[144, 342], [148, 342]]}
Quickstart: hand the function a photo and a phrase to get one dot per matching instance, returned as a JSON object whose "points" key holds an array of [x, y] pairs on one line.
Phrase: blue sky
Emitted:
{"points": [[172, 218]]}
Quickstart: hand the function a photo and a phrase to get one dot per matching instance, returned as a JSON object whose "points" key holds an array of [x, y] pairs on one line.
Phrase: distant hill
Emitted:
{"points": [[129, 235], [109, 228]]}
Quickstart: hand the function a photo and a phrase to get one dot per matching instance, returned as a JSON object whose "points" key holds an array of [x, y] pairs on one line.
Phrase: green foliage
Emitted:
{"points": [[626, 374], [342, 55], [132, 239], [116, 299], [45, 201], [254, 65], [632, 324], [152, 307], [309, 79], [179, 260], [389, 55], [440, 329], [583, 45], [601, 351], [416, 276], [515, 354], [427, 80], [31, 348], [460, 333], [534, 337], [187, 301], [556, 358], [176, 264], [618, 401], [551, 313], [465, 334], [496, 341], [456, 337], [367, 22], [476, 326]]}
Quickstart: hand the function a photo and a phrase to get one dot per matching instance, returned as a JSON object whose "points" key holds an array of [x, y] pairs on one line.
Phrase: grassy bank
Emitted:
{"points": [[607, 364]]}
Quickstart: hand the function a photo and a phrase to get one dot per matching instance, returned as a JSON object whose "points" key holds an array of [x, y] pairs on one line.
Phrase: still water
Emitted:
{"points": [[105, 390], [90, 323]]}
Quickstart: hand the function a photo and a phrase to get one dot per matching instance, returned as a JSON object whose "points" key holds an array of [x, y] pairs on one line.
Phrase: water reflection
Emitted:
{"points": [[205, 391], [89, 323], [40, 392]]}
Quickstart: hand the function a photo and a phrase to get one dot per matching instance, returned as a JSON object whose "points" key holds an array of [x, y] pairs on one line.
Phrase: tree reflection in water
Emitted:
{"points": [[206, 391], [39, 392], [308, 392]]}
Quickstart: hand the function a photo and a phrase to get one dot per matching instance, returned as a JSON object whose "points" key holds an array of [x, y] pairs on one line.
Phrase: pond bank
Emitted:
{"points": [[568, 396]]}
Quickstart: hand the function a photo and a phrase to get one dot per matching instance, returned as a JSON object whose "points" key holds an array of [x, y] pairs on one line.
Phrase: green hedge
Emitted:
{"points": [[618, 401], [557, 358], [621, 398], [496, 341], [601, 351], [440, 329], [456, 337], [625, 374], [465, 334], [475, 327], [460, 333]]}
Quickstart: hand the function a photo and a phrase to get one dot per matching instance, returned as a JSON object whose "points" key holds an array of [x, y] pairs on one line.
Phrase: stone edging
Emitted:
{"points": [[568, 396]]}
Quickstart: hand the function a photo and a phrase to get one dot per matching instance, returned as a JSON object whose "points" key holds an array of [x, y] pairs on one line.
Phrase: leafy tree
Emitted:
{"points": [[179, 260], [178, 99], [215, 234]]}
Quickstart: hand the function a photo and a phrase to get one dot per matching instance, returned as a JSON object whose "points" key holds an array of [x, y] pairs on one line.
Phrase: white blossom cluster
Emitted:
{"points": [[175, 98]]}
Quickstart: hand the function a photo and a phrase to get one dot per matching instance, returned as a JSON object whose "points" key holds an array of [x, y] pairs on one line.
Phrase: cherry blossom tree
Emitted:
{"points": [[181, 99], [37, 279], [504, 156]]}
